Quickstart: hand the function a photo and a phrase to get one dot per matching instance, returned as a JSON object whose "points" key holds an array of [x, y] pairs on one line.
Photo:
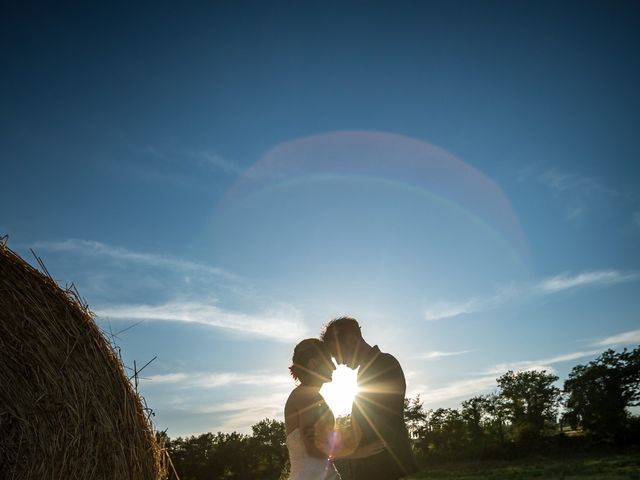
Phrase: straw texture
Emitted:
{"points": [[67, 409]]}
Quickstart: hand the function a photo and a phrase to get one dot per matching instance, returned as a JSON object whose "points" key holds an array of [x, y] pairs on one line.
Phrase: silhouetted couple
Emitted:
{"points": [[374, 439]]}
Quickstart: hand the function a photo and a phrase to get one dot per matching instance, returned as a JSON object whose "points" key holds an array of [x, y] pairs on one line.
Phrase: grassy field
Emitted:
{"points": [[610, 467]]}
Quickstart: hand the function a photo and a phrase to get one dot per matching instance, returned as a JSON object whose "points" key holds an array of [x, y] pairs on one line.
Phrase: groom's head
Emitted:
{"points": [[344, 338]]}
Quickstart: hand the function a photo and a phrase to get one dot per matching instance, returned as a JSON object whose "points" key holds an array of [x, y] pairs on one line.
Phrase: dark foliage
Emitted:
{"points": [[260, 456], [522, 417], [600, 393]]}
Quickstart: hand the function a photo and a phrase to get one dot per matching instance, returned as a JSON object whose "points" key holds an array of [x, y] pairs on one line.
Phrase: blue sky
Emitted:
{"points": [[462, 177]]}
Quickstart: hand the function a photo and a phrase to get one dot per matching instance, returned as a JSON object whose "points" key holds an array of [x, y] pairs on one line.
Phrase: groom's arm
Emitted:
{"points": [[389, 401]]}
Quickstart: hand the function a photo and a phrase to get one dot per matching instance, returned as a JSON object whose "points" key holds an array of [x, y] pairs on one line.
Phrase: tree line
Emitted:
{"points": [[259, 456], [527, 413]]}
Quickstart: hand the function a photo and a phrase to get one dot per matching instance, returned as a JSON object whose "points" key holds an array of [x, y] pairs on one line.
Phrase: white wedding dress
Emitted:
{"points": [[303, 465]]}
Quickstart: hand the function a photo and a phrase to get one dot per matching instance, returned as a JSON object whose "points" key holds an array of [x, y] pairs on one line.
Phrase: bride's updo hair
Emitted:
{"points": [[303, 353]]}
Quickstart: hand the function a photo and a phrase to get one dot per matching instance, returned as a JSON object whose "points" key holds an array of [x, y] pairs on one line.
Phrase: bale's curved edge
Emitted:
{"points": [[67, 408]]}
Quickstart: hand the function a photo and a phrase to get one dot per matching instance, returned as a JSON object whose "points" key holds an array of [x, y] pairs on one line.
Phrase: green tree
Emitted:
{"points": [[220, 455], [269, 443], [497, 416], [414, 416], [600, 393], [445, 433], [531, 400], [192, 456], [474, 414], [233, 457]]}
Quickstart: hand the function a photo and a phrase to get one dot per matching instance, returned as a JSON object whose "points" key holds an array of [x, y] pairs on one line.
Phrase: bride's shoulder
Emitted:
{"points": [[303, 391], [299, 401], [303, 395]]}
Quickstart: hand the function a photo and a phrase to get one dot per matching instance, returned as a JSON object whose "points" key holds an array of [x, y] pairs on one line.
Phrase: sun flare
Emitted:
{"points": [[342, 389]]}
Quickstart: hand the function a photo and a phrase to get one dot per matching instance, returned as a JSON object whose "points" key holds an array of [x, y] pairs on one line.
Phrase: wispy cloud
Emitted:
{"points": [[548, 286], [244, 413], [91, 247], [183, 167], [486, 381], [458, 389], [232, 415], [564, 182], [181, 291], [577, 194], [541, 364], [436, 354], [284, 324], [626, 338], [217, 162], [442, 310], [602, 277], [217, 379]]}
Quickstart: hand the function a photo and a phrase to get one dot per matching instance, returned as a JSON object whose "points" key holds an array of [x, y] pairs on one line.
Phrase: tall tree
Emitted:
{"points": [[531, 400], [474, 413], [497, 416], [600, 393], [414, 416], [269, 441], [446, 432]]}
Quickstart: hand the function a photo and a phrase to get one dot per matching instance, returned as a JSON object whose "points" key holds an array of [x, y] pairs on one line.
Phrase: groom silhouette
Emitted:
{"points": [[378, 407]]}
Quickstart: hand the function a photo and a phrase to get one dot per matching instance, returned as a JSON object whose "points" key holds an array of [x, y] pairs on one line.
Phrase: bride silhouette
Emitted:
{"points": [[313, 440]]}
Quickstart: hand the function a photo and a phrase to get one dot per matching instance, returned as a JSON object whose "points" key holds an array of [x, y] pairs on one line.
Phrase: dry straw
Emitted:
{"points": [[67, 408]]}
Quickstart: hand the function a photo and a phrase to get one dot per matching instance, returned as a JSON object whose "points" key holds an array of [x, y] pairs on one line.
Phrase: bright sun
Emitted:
{"points": [[339, 393]]}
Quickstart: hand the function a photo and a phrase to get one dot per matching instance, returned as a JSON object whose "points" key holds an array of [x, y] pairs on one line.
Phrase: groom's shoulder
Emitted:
{"points": [[387, 359], [386, 365]]}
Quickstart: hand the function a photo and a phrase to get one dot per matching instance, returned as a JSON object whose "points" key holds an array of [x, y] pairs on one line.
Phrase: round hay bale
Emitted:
{"points": [[67, 409]]}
